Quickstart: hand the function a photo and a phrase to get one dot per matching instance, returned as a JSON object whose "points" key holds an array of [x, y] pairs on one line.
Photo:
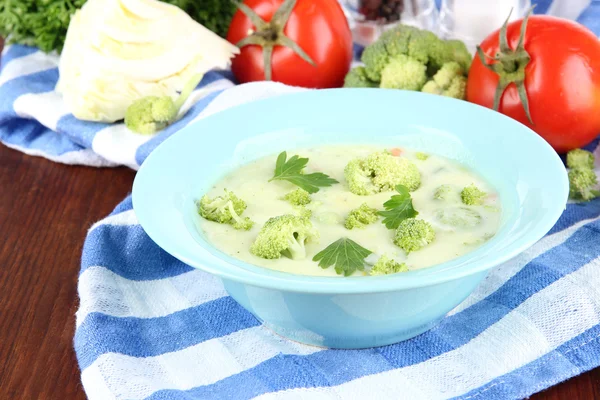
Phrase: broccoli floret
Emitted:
{"points": [[422, 44], [303, 211], [357, 78], [460, 217], [226, 209], [579, 158], [151, 114], [457, 51], [386, 266], [407, 58], [284, 235], [449, 81], [361, 217], [472, 195], [380, 172], [413, 234], [397, 40], [581, 184], [298, 197], [403, 72], [375, 58]]}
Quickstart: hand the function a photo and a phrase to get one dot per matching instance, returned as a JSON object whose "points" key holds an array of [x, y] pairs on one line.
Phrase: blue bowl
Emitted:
{"points": [[355, 312]]}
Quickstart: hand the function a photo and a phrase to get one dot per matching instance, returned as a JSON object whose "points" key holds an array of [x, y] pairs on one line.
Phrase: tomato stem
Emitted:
{"points": [[510, 64], [270, 34]]}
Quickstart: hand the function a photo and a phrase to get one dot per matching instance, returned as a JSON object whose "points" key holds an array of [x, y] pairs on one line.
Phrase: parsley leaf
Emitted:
{"points": [[291, 171], [346, 255], [398, 208]]}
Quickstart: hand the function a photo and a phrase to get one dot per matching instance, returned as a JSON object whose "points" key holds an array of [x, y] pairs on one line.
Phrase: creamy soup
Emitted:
{"points": [[331, 205]]}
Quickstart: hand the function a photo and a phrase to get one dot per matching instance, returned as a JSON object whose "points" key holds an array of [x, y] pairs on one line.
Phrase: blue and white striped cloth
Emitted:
{"points": [[151, 327]]}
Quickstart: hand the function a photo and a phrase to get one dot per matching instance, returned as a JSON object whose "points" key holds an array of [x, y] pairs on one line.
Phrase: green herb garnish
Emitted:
{"points": [[398, 208], [347, 256], [292, 171]]}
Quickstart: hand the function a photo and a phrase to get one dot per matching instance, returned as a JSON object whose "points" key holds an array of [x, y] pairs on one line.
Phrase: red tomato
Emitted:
{"points": [[562, 81], [319, 27]]}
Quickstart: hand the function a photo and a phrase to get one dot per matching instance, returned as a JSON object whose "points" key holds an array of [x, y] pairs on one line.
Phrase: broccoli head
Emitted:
{"points": [[459, 217], [298, 197], [413, 234], [285, 235], [357, 78], [361, 217], [472, 195], [579, 158], [449, 81], [226, 209], [409, 58], [582, 182], [386, 266], [421, 156], [375, 58], [455, 50], [151, 114], [403, 72], [380, 172]]}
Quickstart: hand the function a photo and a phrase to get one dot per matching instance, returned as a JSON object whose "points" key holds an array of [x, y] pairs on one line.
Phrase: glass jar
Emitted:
{"points": [[370, 18], [473, 20]]}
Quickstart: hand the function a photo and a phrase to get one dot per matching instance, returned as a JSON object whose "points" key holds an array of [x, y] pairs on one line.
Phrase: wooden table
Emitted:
{"points": [[45, 211]]}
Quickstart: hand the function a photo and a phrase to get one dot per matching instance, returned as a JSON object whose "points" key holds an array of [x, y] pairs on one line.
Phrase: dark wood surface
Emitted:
{"points": [[45, 211]]}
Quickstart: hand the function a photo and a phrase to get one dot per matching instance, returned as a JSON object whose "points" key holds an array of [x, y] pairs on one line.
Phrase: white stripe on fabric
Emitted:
{"points": [[103, 291], [124, 218], [569, 9], [47, 108], [201, 364], [30, 64], [97, 389], [522, 336], [499, 275], [120, 145], [80, 157], [6, 48]]}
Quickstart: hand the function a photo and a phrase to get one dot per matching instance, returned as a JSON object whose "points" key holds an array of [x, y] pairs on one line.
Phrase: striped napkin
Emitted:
{"points": [[151, 327]]}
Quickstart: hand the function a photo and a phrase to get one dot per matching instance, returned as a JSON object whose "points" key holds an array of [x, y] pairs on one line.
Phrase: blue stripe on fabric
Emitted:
{"points": [[39, 82], [590, 17], [145, 149], [14, 52], [123, 206], [453, 332], [572, 358], [576, 212], [136, 256], [322, 369], [145, 337], [213, 76], [541, 6], [82, 132], [596, 142], [30, 134]]}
